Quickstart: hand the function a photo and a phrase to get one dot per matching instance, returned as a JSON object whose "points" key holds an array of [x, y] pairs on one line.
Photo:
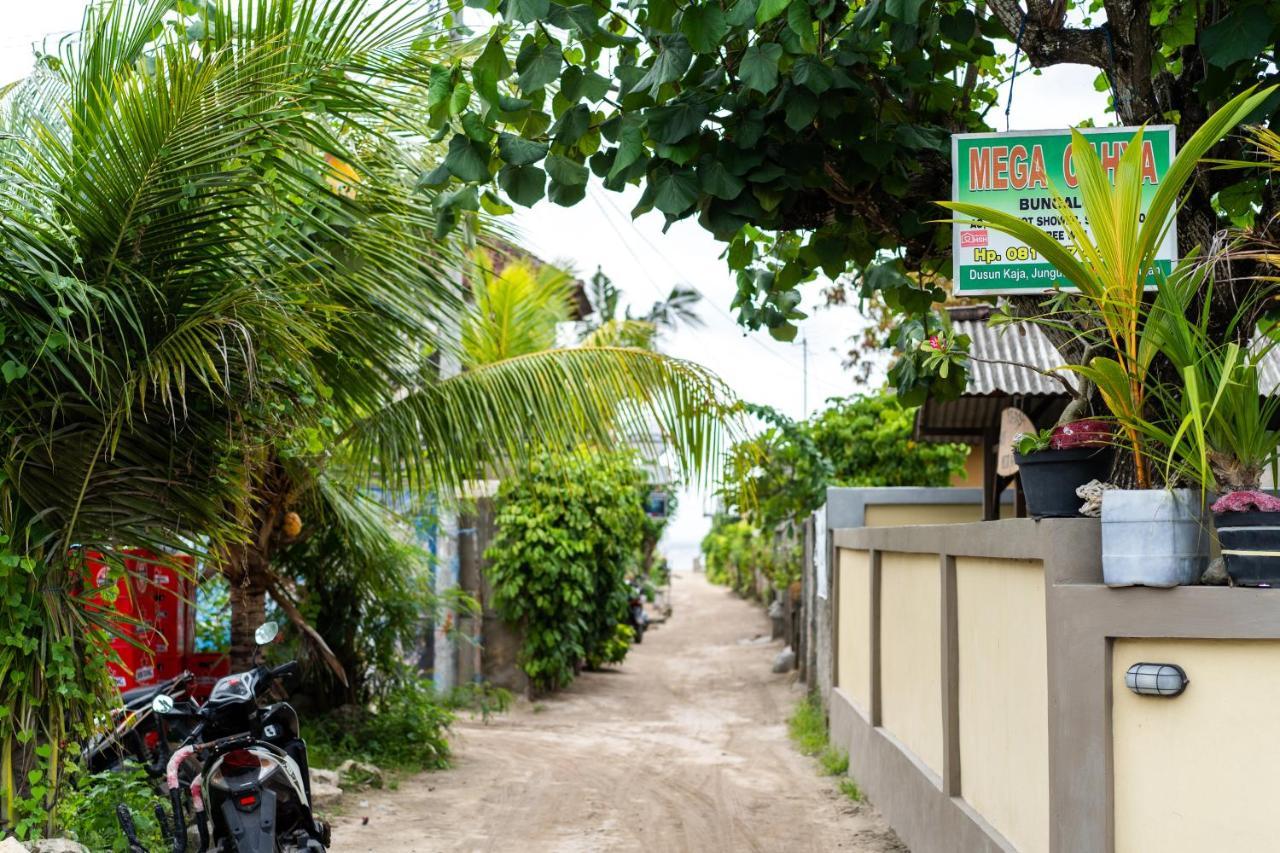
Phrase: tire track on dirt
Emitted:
{"points": [[684, 748]]}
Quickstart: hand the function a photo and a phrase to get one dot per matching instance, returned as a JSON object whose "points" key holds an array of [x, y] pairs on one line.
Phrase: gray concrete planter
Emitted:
{"points": [[1154, 537]]}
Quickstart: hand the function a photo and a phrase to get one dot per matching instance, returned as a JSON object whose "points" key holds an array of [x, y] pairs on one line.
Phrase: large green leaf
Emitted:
{"points": [[672, 61], [1243, 33], [675, 191], [467, 159], [759, 67], [523, 184], [770, 9], [519, 151], [527, 11], [542, 68], [704, 25]]}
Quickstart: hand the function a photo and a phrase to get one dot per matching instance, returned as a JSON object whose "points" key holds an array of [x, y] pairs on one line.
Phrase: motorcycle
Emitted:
{"points": [[252, 793], [636, 616], [139, 732]]}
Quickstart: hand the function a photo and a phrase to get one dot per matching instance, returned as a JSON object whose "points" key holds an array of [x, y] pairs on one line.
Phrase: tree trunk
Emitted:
{"points": [[248, 611], [247, 566]]}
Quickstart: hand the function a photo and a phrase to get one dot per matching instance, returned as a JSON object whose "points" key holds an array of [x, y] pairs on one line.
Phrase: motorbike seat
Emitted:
{"points": [[143, 696]]}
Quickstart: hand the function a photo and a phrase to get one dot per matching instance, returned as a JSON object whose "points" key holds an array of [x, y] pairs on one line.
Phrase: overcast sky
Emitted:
{"points": [[645, 263]]}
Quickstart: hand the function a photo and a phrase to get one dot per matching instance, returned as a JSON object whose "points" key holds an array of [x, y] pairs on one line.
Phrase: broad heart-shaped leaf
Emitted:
{"points": [[674, 56], [572, 124], [526, 11], [704, 26], [523, 184], [630, 144], [490, 67], [907, 11], [467, 160], [675, 191], [802, 106], [541, 69], [672, 123], [759, 66], [812, 74], [770, 9], [566, 195], [718, 181], [565, 171], [518, 151], [1242, 34]]}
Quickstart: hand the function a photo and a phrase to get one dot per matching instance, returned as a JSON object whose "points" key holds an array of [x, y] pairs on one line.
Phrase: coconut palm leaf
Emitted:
{"points": [[443, 435], [515, 310]]}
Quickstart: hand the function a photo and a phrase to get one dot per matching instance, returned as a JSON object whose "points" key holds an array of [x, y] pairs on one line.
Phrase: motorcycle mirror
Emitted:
{"points": [[266, 632], [162, 704]]}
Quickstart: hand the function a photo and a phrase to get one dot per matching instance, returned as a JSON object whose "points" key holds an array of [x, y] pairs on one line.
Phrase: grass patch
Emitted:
{"points": [[834, 762], [808, 728]]}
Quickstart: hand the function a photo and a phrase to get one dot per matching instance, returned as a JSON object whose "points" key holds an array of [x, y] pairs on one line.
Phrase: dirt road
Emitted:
{"points": [[683, 748]]}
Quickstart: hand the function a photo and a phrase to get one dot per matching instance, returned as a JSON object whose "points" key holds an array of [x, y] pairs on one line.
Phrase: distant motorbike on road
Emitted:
{"points": [[252, 792], [637, 618]]}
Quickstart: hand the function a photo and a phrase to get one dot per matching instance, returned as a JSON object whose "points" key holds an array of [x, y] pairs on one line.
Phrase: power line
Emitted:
{"points": [[841, 391]]}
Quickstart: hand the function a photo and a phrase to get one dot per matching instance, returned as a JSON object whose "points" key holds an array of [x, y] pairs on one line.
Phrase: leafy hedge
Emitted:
{"points": [[569, 532], [781, 475]]}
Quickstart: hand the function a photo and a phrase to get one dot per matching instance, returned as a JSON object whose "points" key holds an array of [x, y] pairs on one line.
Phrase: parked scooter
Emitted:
{"points": [[140, 733], [636, 616], [252, 793]]}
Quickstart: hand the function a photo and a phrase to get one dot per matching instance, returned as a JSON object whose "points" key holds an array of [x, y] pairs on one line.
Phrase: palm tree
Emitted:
{"points": [[223, 296], [606, 328]]}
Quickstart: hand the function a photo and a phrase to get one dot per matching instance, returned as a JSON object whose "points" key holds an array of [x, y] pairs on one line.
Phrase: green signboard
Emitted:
{"points": [[1018, 173]]}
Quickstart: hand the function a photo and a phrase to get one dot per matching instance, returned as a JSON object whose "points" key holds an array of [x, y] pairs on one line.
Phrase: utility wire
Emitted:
{"points": [[831, 386]]}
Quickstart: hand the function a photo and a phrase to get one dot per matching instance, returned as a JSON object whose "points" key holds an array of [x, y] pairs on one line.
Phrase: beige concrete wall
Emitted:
{"points": [[911, 653], [853, 626], [900, 515], [972, 475], [1197, 773], [1003, 694]]}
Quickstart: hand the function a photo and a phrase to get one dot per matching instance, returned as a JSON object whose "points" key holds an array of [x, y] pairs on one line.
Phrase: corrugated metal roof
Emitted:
{"points": [[1007, 347], [968, 417], [996, 380]]}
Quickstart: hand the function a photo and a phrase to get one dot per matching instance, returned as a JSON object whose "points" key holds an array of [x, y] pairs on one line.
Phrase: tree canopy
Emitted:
{"points": [[812, 135]]}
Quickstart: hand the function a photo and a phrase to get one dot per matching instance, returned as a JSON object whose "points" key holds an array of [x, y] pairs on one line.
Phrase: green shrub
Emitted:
{"points": [[569, 532], [88, 810], [405, 731], [614, 649]]}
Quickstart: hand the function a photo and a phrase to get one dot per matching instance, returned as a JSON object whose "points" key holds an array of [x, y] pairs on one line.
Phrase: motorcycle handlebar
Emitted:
{"points": [[224, 744], [285, 670]]}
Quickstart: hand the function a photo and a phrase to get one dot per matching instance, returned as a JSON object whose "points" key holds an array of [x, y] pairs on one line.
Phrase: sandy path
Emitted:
{"points": [[683, 748]]}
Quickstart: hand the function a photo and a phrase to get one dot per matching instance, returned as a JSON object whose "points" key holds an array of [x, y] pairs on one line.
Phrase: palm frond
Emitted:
{"points": [[495, 418]]}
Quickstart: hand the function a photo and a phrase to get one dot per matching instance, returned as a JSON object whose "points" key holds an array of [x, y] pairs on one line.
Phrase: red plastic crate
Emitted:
{"points": [[207, 667]]}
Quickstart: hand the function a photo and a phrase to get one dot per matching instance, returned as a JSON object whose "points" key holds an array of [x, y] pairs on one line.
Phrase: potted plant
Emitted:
{"points": [[1150, 536], [1054, 462], [1221, 429]]}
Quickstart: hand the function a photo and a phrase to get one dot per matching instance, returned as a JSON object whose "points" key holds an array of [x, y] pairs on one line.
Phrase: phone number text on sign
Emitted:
{"points": [[1030, 175]]}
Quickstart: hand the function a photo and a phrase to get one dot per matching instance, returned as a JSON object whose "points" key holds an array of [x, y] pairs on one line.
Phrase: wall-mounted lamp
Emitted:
{"points": [[1156, 679]]}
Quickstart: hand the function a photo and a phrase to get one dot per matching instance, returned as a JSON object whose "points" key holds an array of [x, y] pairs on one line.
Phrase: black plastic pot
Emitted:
{"points": [[1249, 542], [1050, 478]]}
